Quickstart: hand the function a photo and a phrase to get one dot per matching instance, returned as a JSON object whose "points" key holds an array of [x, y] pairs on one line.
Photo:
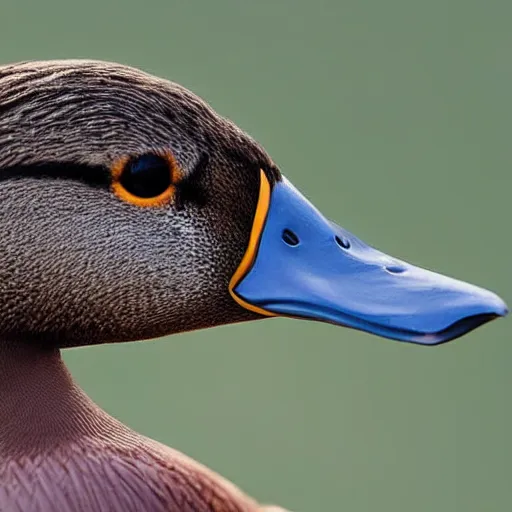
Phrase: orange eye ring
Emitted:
{"points": [[163, 198]]}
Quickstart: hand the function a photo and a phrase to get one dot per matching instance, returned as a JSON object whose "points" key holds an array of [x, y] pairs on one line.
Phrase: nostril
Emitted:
{"points": [[342, 242], [394, 269], [290, 238]]}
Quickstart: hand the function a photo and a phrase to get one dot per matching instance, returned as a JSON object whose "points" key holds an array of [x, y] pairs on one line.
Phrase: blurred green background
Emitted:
{"points": [[395, 119]]}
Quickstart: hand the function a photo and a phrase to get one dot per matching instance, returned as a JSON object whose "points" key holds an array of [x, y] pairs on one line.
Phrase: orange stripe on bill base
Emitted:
{"points": [[252, 248]]}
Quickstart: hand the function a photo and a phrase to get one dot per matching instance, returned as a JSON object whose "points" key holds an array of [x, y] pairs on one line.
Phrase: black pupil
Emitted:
{"points": [[146, 176]]}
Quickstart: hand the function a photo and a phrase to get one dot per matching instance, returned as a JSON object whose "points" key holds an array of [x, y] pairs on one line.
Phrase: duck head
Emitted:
{"points": [[131, 210]]}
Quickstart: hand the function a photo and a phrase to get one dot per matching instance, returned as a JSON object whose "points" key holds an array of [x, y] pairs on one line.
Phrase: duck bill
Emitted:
{"points": [[299, 264]]}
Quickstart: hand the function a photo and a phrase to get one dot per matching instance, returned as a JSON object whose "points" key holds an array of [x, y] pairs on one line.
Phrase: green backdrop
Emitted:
{"points": [[395, 118]]}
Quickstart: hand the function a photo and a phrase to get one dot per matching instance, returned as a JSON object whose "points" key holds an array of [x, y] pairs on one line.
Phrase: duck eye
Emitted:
{"points": [[146, 180], [146, 176]]}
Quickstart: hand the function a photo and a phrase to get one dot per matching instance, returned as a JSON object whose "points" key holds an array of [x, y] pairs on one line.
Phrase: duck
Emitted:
{"points": [[130, 211]]}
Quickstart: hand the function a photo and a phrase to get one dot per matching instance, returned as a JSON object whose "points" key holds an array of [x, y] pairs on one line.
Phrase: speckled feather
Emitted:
{"points": [[79, 266]]}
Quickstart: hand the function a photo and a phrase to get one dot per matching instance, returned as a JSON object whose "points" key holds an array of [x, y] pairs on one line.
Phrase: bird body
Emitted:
{"points": [[64, 453], [131, 210]]}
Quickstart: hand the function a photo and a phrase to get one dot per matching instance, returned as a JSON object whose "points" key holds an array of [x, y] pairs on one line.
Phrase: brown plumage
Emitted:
{"points": [[79, 267]]}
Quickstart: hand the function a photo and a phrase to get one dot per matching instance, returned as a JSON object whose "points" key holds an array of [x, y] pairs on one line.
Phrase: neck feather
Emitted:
{"points": [[40, 404]]}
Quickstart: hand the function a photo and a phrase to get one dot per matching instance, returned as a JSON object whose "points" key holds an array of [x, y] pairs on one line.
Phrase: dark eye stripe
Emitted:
{"points": [[94, 176], [192, 187]]}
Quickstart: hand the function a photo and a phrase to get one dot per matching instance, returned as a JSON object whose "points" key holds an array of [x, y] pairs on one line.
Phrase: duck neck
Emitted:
{"points": [[40, 404]]}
